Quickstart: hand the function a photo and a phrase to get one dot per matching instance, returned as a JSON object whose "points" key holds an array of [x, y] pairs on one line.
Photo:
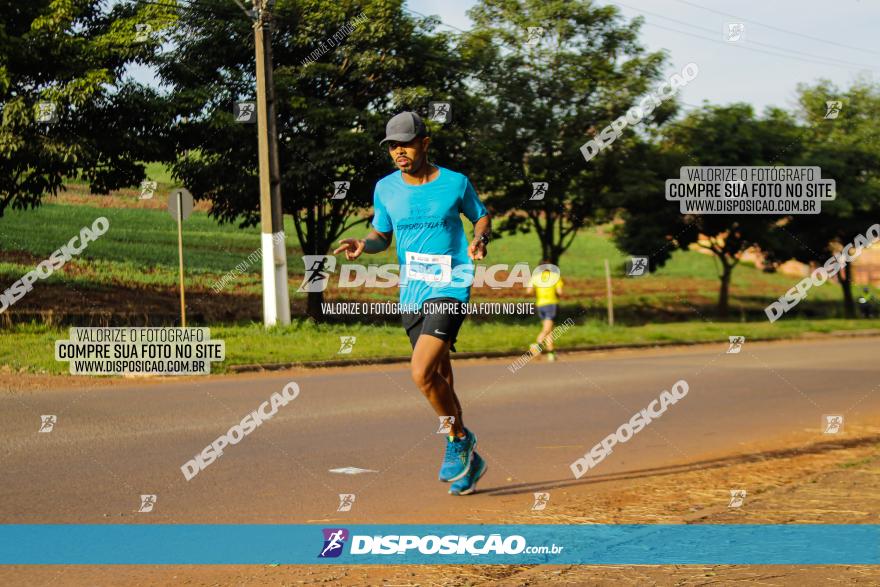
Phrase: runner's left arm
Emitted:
{"points": [[482, 230], [476, 212]]}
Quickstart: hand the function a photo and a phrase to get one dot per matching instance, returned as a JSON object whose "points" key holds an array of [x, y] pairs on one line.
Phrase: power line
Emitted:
{"points": [[817, 60], [743, 46], [776, 47], [781, 30]]}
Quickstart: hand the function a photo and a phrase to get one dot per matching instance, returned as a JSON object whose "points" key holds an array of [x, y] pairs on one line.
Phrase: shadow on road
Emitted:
{"points": [[815, 448]]}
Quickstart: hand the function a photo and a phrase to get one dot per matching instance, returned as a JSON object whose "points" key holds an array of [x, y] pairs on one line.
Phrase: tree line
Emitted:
{"points": [[528, 86]]}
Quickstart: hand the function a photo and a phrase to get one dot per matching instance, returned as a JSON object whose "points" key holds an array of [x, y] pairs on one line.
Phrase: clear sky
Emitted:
{"points": [[784, 42]]}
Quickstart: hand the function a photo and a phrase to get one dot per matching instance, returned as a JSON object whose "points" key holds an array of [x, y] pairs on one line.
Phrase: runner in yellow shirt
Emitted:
{"points": [[547, 287]]}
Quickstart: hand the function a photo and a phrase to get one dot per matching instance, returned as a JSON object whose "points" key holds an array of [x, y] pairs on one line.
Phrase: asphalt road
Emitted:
{"points": [[113, 443]]}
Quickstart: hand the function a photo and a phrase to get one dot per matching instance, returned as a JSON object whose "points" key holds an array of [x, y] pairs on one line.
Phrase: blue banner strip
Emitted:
{"points": [[639, 544]]}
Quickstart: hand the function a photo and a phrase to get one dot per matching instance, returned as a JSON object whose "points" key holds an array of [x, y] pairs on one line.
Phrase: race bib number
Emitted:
{"points": [[430, 268]]}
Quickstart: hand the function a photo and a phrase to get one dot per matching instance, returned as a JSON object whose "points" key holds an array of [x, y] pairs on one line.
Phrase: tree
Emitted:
{"points": [[68, 109], [710, 136], [555, 72], [845, 148], [340, 69]]}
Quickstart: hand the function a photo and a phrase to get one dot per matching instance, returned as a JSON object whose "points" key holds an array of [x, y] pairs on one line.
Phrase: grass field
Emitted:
{"points": [[140, 250], [137, 258], [146, 238]]}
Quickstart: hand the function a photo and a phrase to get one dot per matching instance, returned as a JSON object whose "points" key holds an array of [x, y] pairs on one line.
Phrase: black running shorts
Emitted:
{"points": [[439, 317]]}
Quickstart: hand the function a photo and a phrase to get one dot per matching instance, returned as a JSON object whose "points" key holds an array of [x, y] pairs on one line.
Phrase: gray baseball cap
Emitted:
{"points": [[404, 127]]}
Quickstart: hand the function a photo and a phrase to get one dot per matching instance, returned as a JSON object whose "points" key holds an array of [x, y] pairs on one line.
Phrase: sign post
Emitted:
{"points": [[608, 293], [180, 205]]}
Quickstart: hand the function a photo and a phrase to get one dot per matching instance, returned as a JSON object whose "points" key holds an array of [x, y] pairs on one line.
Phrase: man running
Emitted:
{"points": [[422, 203], [547, 287]]}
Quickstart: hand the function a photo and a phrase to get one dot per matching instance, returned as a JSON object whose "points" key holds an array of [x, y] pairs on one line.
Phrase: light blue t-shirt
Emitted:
{"points": [[432, 248]]}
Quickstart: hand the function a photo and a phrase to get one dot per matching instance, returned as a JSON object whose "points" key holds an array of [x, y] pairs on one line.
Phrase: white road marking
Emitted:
{"points": [[352, 471]]}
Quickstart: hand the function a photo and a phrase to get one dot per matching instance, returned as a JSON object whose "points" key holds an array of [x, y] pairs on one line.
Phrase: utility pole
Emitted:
{"points": [[276, 301], [608, 293]]}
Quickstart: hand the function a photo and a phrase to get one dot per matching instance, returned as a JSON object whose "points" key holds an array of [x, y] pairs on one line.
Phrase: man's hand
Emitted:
{"points": [[477, 249], [482, 228], [353, 247]]}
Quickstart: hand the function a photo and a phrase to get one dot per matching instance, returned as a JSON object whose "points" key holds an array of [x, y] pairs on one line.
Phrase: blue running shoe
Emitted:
{"points": [[468, 484], [457, 460]]}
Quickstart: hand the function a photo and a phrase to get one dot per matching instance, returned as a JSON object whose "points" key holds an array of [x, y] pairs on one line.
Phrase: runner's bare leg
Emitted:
{"points": [[427, 357], [445, 369], [546, 329]]}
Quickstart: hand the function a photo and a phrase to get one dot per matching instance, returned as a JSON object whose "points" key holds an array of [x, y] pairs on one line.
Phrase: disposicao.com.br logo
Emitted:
{"points": [[431, 544], [436, 270]]}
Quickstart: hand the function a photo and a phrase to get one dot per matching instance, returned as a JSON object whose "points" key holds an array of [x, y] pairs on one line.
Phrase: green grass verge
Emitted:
{"points": [[140, 250], [31, 348]]}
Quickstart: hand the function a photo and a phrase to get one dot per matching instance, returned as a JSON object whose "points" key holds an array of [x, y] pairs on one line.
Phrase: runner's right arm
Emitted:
{"points": [[376, 242]]}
